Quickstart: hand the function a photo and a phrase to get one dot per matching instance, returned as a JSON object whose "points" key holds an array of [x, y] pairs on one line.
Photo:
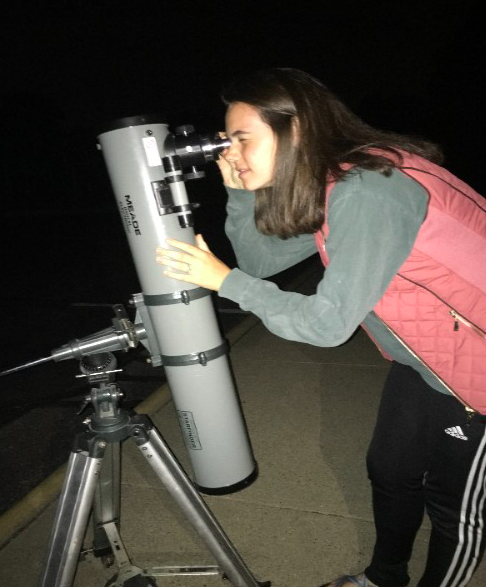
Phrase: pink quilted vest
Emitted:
{"points": [[436, 303]]}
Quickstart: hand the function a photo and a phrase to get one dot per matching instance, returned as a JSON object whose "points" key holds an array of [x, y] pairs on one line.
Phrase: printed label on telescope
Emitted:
{"points": [[152, 151], [127, 210], [189, 430]]}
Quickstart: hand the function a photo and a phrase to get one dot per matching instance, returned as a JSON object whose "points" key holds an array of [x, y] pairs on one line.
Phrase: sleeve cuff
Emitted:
{"points": [[234, 285]]}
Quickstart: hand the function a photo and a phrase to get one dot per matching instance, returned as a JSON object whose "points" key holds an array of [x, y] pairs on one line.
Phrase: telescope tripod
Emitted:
{"points": [[92, 483]]}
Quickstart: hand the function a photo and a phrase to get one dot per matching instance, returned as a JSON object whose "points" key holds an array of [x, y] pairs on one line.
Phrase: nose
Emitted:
{"points": [[232, 153]]}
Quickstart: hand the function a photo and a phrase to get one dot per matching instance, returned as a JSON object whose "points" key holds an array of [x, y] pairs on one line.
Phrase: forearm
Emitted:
{"points": [[290, 315]]}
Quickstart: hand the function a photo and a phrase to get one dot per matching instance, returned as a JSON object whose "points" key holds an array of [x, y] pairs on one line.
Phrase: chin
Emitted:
{"points": [[252, 186], [249, 185]]}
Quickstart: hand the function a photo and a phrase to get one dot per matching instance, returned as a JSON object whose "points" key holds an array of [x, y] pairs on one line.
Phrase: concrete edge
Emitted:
{"points": [[27, 509]]}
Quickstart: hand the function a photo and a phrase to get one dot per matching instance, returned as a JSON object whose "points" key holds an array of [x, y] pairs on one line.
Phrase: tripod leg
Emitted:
{"points": [[72, 515], [106, 503], [169, 471]]}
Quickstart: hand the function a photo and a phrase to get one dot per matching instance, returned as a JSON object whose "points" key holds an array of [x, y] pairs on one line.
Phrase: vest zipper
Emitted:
{"points": [[458, 318], [414, 354]]}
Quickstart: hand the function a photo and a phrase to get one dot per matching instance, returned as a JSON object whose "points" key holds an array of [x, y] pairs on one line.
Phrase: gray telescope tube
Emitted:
{"points": [[153, 204]]}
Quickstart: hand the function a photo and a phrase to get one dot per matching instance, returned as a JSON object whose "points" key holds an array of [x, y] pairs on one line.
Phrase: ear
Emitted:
{"points": [[295, 130]]}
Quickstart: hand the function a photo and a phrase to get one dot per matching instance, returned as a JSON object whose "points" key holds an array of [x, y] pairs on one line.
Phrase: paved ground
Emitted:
{"points": [[307, 517]]}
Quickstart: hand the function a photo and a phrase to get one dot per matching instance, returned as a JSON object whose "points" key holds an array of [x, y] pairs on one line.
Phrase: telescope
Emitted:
{"points": [[148, 166], [176, 322]]}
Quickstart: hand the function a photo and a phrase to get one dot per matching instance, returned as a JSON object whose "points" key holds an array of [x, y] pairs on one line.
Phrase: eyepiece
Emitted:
{"points": [[194, 149], [220, 144]]}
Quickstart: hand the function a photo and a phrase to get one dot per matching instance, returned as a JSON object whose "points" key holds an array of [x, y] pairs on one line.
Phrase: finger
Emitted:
{"points": [[179, 265], [178, 276], [201, 243], [177, 253], [183, 246], [222, 162], [173, 254]]}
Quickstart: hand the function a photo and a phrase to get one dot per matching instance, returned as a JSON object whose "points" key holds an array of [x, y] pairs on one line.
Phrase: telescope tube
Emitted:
{"points": [[148, 184]]}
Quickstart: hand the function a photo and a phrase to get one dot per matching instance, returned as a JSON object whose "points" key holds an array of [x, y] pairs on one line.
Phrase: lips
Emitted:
{"points": [[242, 171]]}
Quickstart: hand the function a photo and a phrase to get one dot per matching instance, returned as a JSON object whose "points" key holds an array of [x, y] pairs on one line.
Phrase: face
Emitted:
{"points": [[253, 146]]}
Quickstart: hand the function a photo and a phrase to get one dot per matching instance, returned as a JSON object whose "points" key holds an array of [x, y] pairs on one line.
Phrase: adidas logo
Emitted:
{"points": [[457, 432]]}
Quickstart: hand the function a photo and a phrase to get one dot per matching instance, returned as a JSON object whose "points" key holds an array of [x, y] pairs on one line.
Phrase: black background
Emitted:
{"points": [[67, 68]]}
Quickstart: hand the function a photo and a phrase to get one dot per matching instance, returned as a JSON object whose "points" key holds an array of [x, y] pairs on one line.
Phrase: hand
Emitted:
{"points": [[228, 169], [196, 263]]}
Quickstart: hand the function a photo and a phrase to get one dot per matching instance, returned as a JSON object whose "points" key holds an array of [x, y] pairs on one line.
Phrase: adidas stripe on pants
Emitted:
{"points": [[427, 454]]}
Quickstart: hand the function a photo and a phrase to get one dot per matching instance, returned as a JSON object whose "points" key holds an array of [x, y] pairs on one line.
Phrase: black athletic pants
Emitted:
{"points": [[427, 454]]}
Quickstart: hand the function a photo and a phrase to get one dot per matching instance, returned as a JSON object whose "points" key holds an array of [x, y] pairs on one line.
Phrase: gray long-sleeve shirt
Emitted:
{"points": [[373, 222]]}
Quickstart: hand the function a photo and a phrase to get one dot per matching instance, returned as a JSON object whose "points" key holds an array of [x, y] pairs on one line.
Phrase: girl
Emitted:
{"points": [[404, 245]]}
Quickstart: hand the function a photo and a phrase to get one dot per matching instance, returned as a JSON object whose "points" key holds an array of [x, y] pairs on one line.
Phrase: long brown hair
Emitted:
{"points": [[329, 135]]}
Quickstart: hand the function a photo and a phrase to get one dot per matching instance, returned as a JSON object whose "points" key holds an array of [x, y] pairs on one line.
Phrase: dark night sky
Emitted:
{"points": [[415, 66], [90, 60]]}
